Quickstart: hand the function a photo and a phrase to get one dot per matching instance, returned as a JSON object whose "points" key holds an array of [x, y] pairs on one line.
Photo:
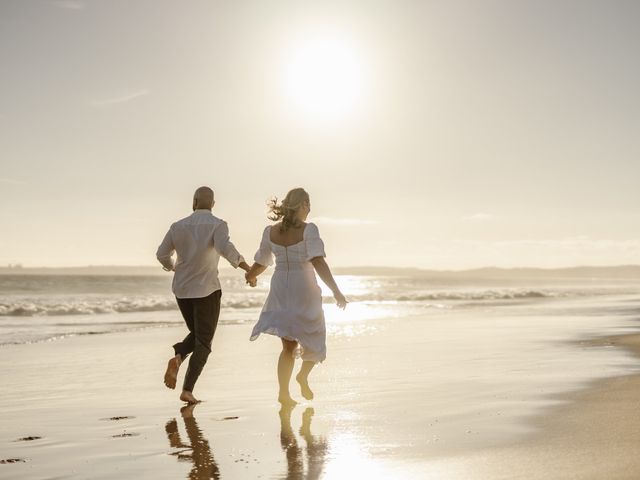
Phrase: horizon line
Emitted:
{"points": [[18, 266]]}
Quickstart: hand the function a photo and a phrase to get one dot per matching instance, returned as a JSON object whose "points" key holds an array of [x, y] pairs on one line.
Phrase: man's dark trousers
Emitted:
{"points": [[201, 316]]}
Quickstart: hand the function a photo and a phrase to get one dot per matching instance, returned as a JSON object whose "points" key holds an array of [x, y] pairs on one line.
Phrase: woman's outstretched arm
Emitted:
{"points": [[324, 272]]}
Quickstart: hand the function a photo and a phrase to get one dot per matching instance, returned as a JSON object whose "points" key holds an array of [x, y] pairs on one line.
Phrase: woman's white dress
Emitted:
{"points": [[293, 309]]}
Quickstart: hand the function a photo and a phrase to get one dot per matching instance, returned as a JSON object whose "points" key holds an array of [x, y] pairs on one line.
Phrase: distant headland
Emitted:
{"points": [[599, 272]]}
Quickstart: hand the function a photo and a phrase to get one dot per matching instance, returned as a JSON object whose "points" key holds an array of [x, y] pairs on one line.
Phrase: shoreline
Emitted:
{"points": [[113, 416]]}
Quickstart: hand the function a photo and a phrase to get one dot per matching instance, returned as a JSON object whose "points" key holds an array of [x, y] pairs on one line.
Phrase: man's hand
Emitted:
{"points": [[244, 266]]}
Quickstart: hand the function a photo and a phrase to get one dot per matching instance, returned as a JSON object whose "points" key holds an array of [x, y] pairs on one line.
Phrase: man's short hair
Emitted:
{"points": [[203, 197]]}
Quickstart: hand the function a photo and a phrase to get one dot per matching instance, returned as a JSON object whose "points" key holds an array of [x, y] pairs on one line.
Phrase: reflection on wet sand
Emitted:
{"points": [[198, 452], [316, 447]]}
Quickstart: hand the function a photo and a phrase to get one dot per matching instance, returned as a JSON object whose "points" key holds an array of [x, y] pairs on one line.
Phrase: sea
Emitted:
{"points": [[50, 307]]}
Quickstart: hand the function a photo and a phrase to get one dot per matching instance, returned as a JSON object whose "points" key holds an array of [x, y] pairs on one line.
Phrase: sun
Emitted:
{"points": [[324, 78]]}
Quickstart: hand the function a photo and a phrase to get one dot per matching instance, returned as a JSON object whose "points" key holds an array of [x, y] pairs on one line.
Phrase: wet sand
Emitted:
{"points": [[595, 434], [95, 407]]}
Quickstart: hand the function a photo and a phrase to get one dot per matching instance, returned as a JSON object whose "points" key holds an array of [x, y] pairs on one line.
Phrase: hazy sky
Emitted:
{"points": [[437, 134]]}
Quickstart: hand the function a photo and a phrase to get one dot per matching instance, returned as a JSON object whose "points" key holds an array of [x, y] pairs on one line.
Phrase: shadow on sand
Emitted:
{"points": [[314, 452], [303, 462], [198, 451]]}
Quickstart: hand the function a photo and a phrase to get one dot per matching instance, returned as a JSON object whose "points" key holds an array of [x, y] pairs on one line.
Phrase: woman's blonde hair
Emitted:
{"points": [[288, 208]]}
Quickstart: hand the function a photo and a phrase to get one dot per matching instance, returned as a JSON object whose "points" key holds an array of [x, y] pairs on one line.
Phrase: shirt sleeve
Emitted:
{"points": [[264, 255], [313, 242], [165, 252], [222, 244]]}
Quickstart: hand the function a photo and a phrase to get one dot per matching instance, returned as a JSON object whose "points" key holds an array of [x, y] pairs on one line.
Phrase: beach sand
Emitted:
{"points": [[595, 434], [95, 407]]}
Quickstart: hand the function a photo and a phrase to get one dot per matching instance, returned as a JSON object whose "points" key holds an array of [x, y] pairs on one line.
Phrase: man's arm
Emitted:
{"points": [[165, 252], [222, 244]]}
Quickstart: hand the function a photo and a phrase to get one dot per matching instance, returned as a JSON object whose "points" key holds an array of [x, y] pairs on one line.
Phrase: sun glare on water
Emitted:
{"points": [[324, 78]]}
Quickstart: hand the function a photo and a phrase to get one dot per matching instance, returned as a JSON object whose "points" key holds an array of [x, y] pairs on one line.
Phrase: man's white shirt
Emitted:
{"points": [[199, 241]]}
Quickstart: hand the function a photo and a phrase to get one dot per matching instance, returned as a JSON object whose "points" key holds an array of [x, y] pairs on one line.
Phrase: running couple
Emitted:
{"points": [[293, 309]]}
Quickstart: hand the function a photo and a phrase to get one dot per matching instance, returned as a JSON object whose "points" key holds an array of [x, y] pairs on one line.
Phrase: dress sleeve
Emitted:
{"points": [[313, 242], [264, 255]]}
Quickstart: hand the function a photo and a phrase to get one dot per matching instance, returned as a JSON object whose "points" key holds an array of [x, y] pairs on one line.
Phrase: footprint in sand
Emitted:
{"points": [[125, 434], [27, 439], [12, 460], [117, 418]]}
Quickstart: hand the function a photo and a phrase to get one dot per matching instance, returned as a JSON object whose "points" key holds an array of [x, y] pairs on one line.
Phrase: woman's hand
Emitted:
{"points": [[340, 300]]}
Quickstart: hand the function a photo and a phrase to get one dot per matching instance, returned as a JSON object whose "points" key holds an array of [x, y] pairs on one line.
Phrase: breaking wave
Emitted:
{"points": [[33, 308], [453, 296]]}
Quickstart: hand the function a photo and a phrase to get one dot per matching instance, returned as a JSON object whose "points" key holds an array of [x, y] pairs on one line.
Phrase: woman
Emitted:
{"points": [[293, 309]]}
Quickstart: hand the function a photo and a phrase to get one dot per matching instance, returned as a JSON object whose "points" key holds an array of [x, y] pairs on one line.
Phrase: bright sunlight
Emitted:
{"points": [[324, 78]]}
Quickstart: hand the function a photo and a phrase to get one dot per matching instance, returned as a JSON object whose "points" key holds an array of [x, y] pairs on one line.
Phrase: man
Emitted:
{"points": [[199, 240]]}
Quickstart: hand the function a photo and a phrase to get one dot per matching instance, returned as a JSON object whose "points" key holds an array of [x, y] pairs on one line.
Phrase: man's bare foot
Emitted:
{"points": [[287, 401], [304, 387], [188, 397], [171, 374]]}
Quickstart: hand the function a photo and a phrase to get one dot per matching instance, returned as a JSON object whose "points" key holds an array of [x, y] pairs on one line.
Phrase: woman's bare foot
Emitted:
{"points": [[307, 415], [304, 387], [187, 396], [287, 401], [171, 374]]}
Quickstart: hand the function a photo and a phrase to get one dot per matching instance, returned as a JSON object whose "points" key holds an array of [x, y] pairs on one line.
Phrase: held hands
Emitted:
{"points": [[249, 277], [252, 274], [251, 280], [340, 300]]}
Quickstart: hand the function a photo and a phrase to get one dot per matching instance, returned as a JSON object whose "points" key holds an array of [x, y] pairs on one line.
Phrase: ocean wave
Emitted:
{"points": [[461, 295], [29, 308], [484, 295], [32, 309]]}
